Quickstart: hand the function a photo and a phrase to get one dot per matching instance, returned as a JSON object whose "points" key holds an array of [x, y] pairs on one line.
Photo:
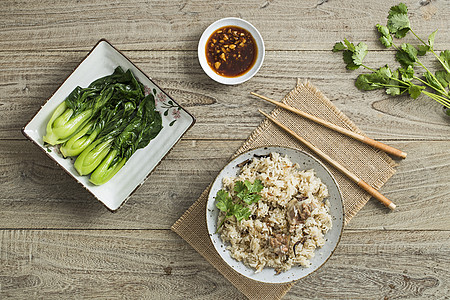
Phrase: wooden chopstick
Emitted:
{"points": [[361, 183], [359, 137]]}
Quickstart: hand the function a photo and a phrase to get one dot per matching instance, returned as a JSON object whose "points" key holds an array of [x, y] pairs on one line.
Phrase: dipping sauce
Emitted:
{"points": [[231, 51]]}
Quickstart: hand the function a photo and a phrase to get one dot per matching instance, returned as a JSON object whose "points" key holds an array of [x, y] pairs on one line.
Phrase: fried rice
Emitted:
{"points": [[287, 224]]}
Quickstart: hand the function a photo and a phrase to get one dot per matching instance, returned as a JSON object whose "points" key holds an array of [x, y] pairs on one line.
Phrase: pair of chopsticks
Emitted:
{"points": [[361, 183]]}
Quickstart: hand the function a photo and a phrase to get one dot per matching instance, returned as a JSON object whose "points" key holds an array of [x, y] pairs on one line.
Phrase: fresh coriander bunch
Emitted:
{"points": [[246, 194], [403, 79]]}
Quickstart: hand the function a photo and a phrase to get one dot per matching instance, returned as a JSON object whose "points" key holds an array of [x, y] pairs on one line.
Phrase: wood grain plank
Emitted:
{"points": [[382, 265], [225, 112], [57, 241], [160, 265], [177, 24], [41, 195]]}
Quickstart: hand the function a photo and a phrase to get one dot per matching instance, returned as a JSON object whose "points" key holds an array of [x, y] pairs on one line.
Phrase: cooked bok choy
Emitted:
{"points": [[104, 124], [73, 113], [108, 119], [96, 151], [139, 132]]}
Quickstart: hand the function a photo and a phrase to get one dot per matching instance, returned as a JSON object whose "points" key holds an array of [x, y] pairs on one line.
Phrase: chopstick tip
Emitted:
{"points": [[392, 206]]}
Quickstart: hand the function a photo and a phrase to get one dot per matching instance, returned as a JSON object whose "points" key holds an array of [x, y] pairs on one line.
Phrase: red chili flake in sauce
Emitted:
{"points": [[231, 51]]}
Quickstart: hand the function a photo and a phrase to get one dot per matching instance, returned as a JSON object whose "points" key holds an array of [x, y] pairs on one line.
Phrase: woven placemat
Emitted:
{"points": [[371, 165]]}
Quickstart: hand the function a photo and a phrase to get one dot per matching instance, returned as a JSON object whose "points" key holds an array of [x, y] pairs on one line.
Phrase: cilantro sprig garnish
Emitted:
{"points": [[403, 80], [246, 194]]}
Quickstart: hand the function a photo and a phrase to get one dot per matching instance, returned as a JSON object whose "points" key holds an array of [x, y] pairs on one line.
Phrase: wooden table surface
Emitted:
{"points": [[58, 242]]}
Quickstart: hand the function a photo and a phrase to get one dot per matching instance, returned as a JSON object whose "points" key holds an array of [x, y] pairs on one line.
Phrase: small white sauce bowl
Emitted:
{"points": [[231, 22]]}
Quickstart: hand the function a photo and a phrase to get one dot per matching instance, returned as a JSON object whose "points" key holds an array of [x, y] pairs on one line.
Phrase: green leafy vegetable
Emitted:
{"points": [[137, 134], [108, 118], [398, 21], [443, 77], [431, 39], [407, 55], [72, 114], [445, 59], [246, 193], [385, 36], [394, 88], [124, 134], [224, 201], [339, 46], [353, 55], [403, 79], [104, 124]]}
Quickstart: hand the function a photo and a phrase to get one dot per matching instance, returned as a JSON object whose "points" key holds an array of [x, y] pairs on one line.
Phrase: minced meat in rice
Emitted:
{"points": [[289, 221]]}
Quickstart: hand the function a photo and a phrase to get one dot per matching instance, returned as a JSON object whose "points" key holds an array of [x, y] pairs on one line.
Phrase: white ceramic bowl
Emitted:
{"points": [[332, 237], [231, 22], [101, 61]]}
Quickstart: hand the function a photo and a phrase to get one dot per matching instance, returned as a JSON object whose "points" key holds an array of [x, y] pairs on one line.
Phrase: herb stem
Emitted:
{"points": [[431, 50], [401, 81], [221, 223], [439, 99], [396, 47], [393, 78], [429, 85], [423, 42], [393, 85], [368, 68], [442, 89], [445, 100], [439, 59], [424, 82]]}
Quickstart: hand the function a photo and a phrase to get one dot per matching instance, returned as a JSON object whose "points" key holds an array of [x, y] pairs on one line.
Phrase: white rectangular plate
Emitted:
{"points": [[101, 61]]}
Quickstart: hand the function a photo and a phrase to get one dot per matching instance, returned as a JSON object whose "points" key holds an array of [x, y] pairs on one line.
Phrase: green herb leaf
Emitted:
{"points": [[339, 46], [349, 45], [366, 82], [431, 39], [247, 192], [401, 8], [407, 73], [360, 52], [354, 58], [256, 187], [407, 55], [422, 50], [239, 186], [398, 21], [432, 80], [385, 73], [251, 198], [415, 91], [223, 201], [347, 56], [443, 77], [394, 87], [241, 212], [375, 80], [445, 58], [385, 35], [353, 55]]}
